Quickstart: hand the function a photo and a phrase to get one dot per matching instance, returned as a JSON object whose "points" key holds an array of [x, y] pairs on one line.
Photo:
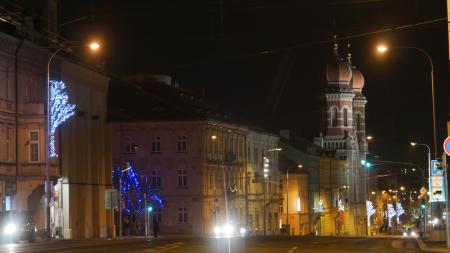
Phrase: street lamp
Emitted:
{"points": [[383, 48], [93, 46], [413, 144]]}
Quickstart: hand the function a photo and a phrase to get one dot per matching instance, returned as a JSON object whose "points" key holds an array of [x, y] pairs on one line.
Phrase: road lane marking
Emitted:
{"points": [[292, 249], [165, 247]]}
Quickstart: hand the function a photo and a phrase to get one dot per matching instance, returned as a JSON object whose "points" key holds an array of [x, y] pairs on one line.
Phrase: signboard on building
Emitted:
{"points": [[110, 199]]}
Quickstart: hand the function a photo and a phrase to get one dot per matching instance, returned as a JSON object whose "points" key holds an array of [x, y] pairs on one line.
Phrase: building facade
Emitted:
{"points": [[81, 142], [344, 136], [262, 204]]}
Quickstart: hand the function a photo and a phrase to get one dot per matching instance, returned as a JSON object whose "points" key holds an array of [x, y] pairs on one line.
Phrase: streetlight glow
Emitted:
{"points": [[94, 46], [213, 137], [382, 48], [369, 138], [413, 143]]}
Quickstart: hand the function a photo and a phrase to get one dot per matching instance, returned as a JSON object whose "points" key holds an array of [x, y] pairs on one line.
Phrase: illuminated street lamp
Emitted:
{"points": [[93, 46], [383, 49]]}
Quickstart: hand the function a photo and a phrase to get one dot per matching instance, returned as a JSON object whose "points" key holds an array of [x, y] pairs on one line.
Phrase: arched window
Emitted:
{"points": [[345, 117], [334, 112], [358, 121]]}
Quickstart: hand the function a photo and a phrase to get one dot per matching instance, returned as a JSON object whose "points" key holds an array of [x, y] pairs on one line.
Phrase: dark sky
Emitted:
{"points": [[217, 46]]}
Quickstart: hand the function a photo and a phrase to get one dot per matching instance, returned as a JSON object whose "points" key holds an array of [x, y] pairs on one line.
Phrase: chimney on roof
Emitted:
{"points": [[285, 133]]}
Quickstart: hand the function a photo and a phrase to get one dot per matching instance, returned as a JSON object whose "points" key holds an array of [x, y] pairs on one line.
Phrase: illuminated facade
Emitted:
{"points": [[344, 136], [80, 142], [192, 152]]}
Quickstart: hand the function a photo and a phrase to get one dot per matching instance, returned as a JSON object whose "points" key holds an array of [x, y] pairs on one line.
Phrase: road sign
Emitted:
{"points": [[437, 189], [110, 199], [436, 168], [447, 146], [423, 191]]}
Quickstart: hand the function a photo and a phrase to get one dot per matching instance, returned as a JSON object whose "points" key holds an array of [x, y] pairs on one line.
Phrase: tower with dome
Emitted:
{"points": [[344, 135]]}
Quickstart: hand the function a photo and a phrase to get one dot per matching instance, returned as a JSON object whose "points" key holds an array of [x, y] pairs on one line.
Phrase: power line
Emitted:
{"points": [[321, 42]]}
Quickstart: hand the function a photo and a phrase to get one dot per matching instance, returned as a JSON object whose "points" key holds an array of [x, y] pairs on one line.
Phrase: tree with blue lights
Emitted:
{"points": [[60, 110], [133, 188]]}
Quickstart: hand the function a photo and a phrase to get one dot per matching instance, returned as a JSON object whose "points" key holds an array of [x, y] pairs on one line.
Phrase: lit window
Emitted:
{"points": [[182, 178], [182, 215], [181, 144], [156, 144], [34, 146]]}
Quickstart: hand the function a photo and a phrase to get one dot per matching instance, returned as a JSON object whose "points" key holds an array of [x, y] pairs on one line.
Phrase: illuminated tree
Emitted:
{"points": [[133, 189], [60, 110], [399, 211], [370, 210]]}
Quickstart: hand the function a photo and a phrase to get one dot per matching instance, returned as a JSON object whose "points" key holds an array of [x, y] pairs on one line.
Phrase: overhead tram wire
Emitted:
{"points": [[316, 43]]}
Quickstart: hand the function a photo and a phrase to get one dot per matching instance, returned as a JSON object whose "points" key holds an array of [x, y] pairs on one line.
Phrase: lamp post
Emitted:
{"points": [[383, 48], [429, 158], [94, 46], [266, 175]]}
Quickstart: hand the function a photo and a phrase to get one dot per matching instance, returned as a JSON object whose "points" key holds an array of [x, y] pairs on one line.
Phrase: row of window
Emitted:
{"points": [[182, 215], [181, 182], [132, 147], [334, 113]]}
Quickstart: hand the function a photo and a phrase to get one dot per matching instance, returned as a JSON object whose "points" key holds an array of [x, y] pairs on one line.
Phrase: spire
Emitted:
{"points": [[349, 55]]}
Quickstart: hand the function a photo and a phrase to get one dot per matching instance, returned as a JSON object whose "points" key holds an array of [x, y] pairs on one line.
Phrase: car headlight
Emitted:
{"points": [[217, 230], [242, 231], [228, 230], [9, 229], [405, 234], [413, 233]]}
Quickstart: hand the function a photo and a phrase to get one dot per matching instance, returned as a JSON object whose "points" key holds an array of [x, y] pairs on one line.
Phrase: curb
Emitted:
{"points": [[424, 247]]}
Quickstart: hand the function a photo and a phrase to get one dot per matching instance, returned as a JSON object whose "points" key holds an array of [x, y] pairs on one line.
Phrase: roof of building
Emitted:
{"points": [[148, 100]]}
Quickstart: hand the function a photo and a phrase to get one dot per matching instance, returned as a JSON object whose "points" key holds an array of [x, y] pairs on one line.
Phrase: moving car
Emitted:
{"points": [[17, 226]]}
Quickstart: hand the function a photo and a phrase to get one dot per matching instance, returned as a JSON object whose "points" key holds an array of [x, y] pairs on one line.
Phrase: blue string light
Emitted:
{"points": [[133, 188], [60, 110]]}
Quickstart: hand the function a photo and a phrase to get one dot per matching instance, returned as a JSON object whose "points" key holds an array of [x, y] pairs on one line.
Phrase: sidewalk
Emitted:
{"points": [[432, 246]]}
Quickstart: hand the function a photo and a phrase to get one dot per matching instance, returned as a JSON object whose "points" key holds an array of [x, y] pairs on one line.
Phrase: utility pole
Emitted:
{"points": [[444, 168]]}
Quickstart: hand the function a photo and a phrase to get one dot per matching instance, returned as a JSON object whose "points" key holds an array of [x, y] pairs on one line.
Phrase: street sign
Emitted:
{"points": [[437, 192], [423, 191], [110, 199], [436, 168], [447, 146]]}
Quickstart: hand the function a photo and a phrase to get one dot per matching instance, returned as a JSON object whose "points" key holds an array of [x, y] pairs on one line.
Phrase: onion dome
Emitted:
{"points": [[338, 71], [358, 80]]}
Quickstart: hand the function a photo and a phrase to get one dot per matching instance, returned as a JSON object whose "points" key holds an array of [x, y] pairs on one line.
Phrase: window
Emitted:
{"points": [[156, 144], [156, 179], [8, 143], [182, 215], [345, 117], [34, 146], [181, 144], [255, 155], [334, 112], [358, 121], [182, 178], [157, 214], [131, 145]]}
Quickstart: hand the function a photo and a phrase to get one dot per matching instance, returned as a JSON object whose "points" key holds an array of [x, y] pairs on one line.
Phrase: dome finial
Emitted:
{"points": [[349, 55]]}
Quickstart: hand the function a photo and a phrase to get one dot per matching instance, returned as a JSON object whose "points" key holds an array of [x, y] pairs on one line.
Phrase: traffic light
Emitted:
{"points": [[423, 205], [150, 209], [366, 164]]}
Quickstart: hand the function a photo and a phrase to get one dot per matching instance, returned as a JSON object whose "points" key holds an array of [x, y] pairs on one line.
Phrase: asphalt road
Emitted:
{"points": [[212, 245]]}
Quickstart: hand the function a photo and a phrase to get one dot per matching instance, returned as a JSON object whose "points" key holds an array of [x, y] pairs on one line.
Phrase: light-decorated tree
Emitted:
{"points": [[134, 188], [60, 110]]}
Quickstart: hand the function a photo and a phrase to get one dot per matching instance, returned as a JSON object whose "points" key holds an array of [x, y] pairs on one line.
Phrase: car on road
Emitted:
{"points": [[17, 226]]}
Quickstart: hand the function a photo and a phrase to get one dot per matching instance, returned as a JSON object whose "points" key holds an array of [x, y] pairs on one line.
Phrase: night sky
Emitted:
{"points": [[265, 59]]}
